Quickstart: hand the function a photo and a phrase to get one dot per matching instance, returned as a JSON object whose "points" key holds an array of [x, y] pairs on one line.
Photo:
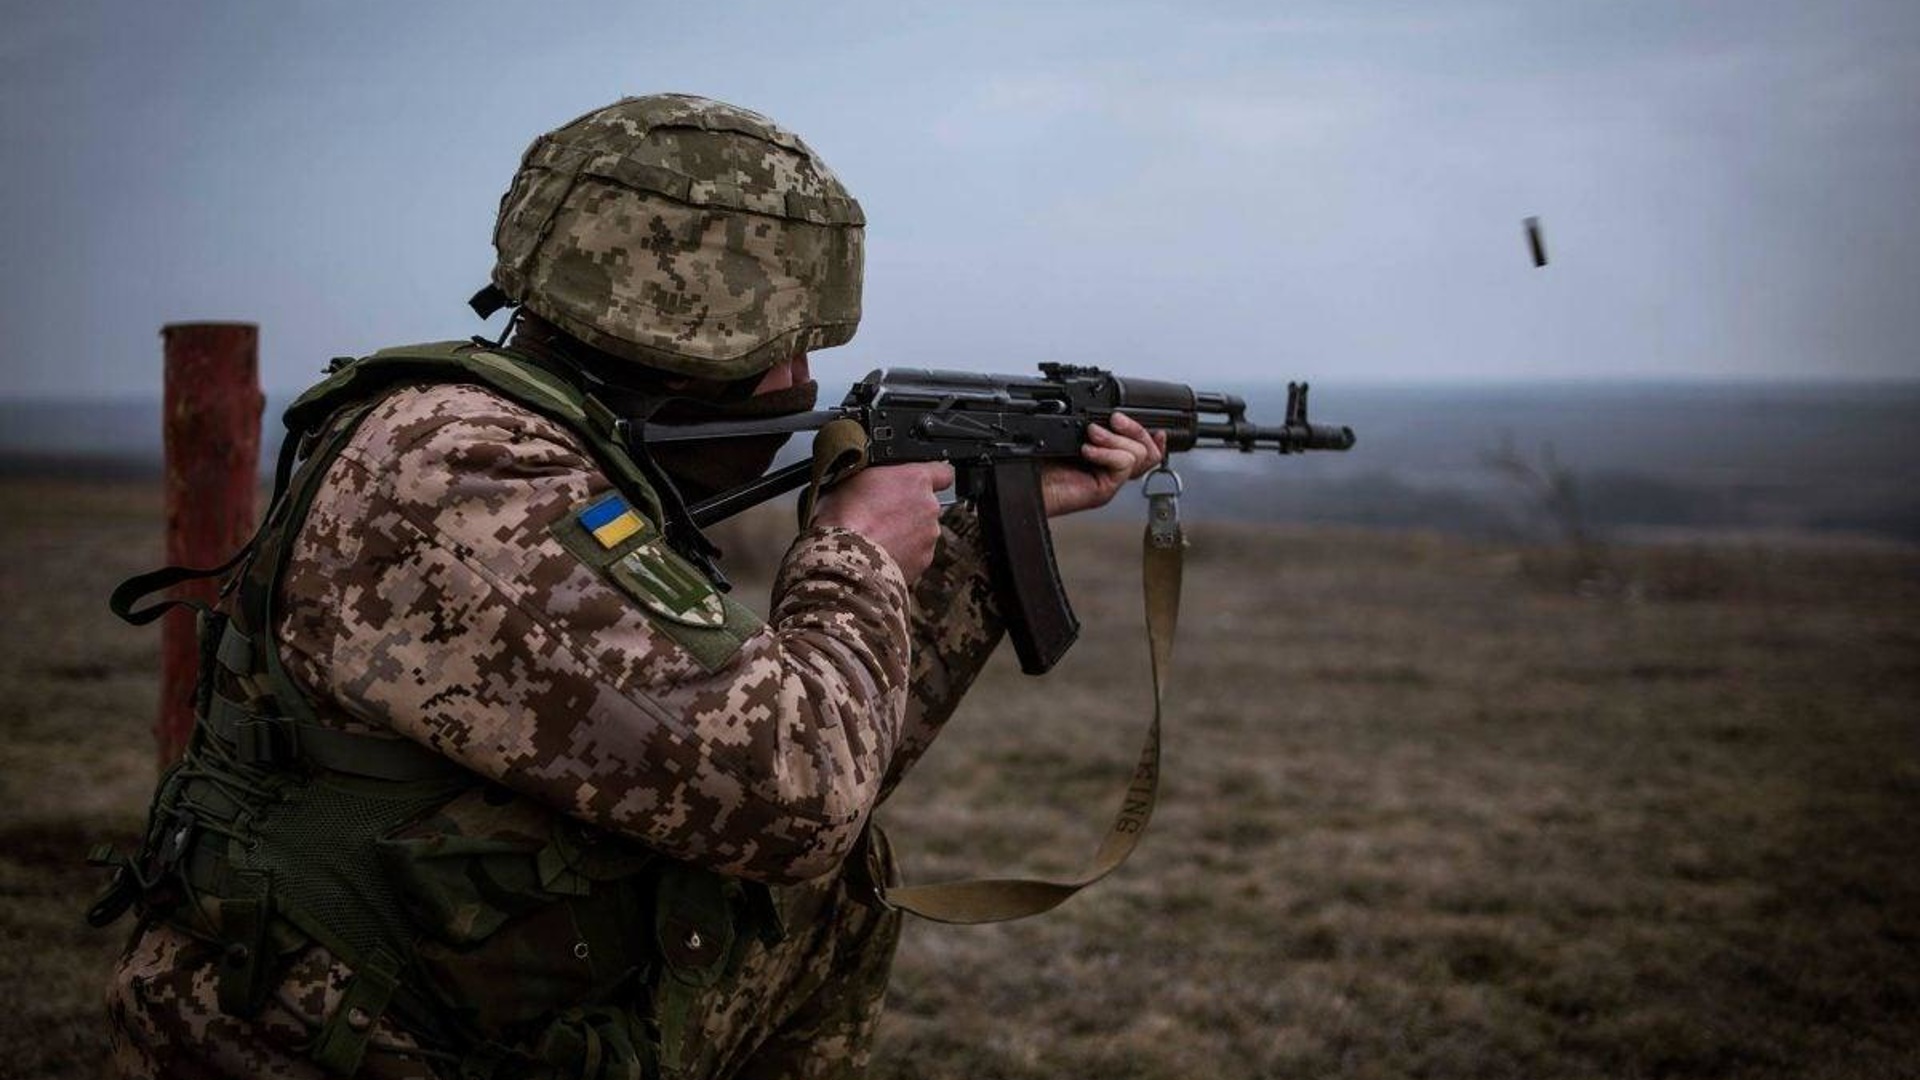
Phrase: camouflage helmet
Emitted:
{"points": [[682, 234]]}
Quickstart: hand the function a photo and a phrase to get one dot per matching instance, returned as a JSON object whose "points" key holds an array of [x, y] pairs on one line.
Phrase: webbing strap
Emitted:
{"points": [[140, 586], [258, 600], [1000, 899], [234, 651], [839, 449], [342, 1042], [246, 972], [259, 738]]}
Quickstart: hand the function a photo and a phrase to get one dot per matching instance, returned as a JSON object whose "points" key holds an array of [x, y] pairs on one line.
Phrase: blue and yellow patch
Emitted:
{"points": [[610, 521], [631, 554]]}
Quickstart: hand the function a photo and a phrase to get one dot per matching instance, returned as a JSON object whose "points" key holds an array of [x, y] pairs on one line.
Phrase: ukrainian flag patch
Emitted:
{"points": [[629, 553], [610, 521]]}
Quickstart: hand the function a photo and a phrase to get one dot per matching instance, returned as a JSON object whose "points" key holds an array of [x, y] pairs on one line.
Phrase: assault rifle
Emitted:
{"points": [[997, 430]]}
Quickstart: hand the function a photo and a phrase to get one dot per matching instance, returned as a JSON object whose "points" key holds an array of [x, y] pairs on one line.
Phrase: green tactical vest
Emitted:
{"points": [[511, 939]]}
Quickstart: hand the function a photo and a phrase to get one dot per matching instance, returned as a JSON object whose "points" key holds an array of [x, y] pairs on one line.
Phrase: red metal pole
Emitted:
{"points": [[212, 431]]}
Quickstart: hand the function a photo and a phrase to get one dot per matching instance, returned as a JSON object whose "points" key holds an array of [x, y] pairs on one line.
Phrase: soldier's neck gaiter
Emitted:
{"points": [[707, 467], [698, 469]]}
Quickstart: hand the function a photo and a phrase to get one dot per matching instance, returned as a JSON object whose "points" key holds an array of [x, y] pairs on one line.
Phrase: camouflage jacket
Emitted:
{"points": [[429, 595]]}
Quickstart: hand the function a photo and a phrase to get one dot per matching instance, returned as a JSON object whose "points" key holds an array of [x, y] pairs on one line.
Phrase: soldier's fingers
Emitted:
{"points": [[1113, 459], [1137, 441], [1138, 432], [1128, 426], [1156, 452], [1145, 449], [940, 475], [1124, 432]]}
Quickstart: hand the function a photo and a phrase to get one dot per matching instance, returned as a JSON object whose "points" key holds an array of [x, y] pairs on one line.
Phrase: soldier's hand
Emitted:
{"points": [[893, 506], [1110, 458]]}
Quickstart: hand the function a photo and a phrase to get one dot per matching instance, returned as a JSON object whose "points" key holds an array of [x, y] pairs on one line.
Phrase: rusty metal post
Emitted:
{"points": [[212, 431]]}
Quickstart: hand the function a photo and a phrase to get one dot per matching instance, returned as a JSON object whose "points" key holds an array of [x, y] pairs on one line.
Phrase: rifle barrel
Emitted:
{"points": [[1286, 438]]}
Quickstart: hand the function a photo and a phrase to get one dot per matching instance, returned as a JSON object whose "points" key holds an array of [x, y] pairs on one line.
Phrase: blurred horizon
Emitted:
{"points": [[1790, 459]]}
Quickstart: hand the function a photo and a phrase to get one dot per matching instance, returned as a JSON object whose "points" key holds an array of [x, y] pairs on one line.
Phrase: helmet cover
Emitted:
{"points": [[682, 234]]}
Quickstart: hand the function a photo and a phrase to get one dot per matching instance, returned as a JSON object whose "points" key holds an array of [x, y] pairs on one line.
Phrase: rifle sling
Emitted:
{"points": [[1001, 899]]}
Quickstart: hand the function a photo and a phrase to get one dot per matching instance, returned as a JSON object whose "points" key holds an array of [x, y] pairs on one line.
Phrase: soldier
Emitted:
{"points": [[491, 780]]}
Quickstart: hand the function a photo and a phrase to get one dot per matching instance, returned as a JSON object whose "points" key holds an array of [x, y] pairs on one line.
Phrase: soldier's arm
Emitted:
{"points": [[956, 626], [430, 592]]}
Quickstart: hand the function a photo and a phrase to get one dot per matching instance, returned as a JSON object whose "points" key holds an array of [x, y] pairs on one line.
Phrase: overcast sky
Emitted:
{"points": [[1209, 191]]}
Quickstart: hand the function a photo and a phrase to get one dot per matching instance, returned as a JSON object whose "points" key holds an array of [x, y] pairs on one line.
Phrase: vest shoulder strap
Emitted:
{"points": [[514, 377], [325, 417]]}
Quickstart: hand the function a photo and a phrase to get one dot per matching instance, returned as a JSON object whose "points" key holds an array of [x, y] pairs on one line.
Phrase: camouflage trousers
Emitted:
{"points": [[804, 1008]]}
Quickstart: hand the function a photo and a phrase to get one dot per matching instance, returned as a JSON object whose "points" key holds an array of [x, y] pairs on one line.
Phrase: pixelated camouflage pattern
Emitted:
{"points": [[807, 1008], [165, 1019], [956, 625], [426, 595], [682, 234]]}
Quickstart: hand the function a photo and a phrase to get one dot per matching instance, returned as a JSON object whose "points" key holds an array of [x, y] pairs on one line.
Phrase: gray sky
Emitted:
{"points": [[1206, 191]]}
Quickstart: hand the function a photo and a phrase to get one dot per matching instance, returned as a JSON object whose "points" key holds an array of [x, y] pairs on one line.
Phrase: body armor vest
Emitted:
{"points": [[508, 938]]}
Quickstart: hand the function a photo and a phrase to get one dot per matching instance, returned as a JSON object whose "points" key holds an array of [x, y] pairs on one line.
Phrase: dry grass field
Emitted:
{"points": [[1432, 809]]}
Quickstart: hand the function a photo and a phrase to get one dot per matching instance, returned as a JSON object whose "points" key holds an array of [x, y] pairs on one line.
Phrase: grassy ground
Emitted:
{"points": [[1432, 809]]}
